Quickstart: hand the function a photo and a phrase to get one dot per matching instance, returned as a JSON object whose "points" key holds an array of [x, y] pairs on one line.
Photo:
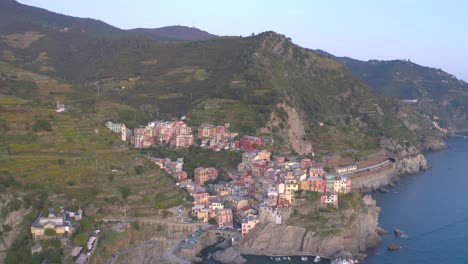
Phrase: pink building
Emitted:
{"points": [[329, 199], [200, 198], [181, 176], [224, 218], [248, 224]]}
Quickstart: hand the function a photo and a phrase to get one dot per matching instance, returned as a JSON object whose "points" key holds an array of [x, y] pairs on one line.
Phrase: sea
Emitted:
{"points": [[431, 208]]}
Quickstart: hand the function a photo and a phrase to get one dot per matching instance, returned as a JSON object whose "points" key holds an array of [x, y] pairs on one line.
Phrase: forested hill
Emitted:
{"points": [[258, 84]]}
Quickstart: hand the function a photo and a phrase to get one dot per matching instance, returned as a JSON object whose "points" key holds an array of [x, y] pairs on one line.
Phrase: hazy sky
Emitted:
{"points": [[430, 33]]}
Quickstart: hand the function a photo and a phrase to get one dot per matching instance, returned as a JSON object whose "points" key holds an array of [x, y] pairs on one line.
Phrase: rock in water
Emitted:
{"points": [[393, 247], [229, 255]]}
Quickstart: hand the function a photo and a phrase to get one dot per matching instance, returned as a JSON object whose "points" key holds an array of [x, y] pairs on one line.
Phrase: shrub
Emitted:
{"points": [[125, 192], [87, 223], [139, 169], [50, 232], [213, 221], [82, 240], [43, 125]]}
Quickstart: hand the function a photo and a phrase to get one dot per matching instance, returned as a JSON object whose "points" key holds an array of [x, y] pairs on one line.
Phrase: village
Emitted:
{"points": [[261, 190]]}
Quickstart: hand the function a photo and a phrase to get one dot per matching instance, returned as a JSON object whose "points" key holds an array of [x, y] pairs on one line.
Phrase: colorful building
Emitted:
{"points": [[248, 224]]}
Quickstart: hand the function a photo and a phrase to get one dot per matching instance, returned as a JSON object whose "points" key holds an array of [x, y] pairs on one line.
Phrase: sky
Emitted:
{"points": [[431, 33]]}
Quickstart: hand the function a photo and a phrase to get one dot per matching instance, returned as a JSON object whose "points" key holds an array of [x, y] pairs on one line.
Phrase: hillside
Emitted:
{"points": [[258, 84], [174, 33], [66, 159], [439, 93]]}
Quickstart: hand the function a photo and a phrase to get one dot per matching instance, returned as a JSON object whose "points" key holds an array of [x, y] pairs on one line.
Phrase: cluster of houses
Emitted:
{"points": [[178, 134], [262, 190], [216, 137]]}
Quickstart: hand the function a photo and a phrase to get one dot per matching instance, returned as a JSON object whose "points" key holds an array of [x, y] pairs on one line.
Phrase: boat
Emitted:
{"points": [[317, 259], [289, 258]]}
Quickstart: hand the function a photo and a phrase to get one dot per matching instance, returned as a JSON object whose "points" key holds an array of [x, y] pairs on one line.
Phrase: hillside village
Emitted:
{"points": [[261, 190]]}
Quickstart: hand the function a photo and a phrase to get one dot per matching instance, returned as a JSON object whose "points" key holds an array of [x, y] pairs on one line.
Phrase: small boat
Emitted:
{"points": [[306, 258], [289, 258], [317, 259]]}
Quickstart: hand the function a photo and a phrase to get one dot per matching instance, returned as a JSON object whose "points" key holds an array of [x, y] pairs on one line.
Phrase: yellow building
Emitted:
{"points": [[60, 224]]}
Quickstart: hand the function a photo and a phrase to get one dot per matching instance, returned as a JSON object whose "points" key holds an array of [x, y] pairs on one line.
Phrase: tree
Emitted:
{"points": [[139, 169], [50, 232], [87, 223], [213, 221], [82, 240], [125, 192]]}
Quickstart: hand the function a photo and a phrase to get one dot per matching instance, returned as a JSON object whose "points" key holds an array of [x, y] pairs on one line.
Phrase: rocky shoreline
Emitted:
{"points": [[280, 240]]}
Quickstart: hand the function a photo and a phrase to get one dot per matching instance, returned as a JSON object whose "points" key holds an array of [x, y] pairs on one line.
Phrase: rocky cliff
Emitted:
{"points": [[286, 124], [411, 164], [351, 232]]}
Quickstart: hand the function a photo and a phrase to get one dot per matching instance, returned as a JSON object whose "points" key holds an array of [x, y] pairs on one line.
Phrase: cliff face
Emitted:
{"points": [[288, 125], [356, 235], [411, 164]]}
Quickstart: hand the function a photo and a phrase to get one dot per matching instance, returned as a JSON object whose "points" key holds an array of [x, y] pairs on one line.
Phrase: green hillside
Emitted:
{"points": [[439, 93]]}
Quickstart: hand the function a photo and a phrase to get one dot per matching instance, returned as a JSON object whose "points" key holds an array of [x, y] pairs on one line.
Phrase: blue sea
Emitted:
{"points": [[431, 208]]}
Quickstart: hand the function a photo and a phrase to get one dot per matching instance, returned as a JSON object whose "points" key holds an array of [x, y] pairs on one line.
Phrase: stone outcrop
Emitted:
{"points": [[272, 239], [434, 144], [229, 256], [411, 164], [288, 123]]}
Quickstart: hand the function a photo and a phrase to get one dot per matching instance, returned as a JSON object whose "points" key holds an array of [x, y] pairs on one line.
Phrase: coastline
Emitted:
{"points": [[410, 164]]}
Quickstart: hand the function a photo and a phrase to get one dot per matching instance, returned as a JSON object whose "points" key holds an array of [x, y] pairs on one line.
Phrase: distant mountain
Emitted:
{"points": [[439, 93], [175, 33]]}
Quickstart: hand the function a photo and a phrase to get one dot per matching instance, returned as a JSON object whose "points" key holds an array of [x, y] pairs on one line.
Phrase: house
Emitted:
{"points": [[114, 127], [246, 211], [258, 170], [346, 168], [183, 141], [291, 184], [206, 131], [224, 218], [329, 183], [249, 143], [125, 133], [329, 199], [238, 202], [316, 172], [180, 176], [315, 184], [306, 163], [203, 175], [238, 189], [342, 184], [248, 224], [59, 224], [200, 198]]}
